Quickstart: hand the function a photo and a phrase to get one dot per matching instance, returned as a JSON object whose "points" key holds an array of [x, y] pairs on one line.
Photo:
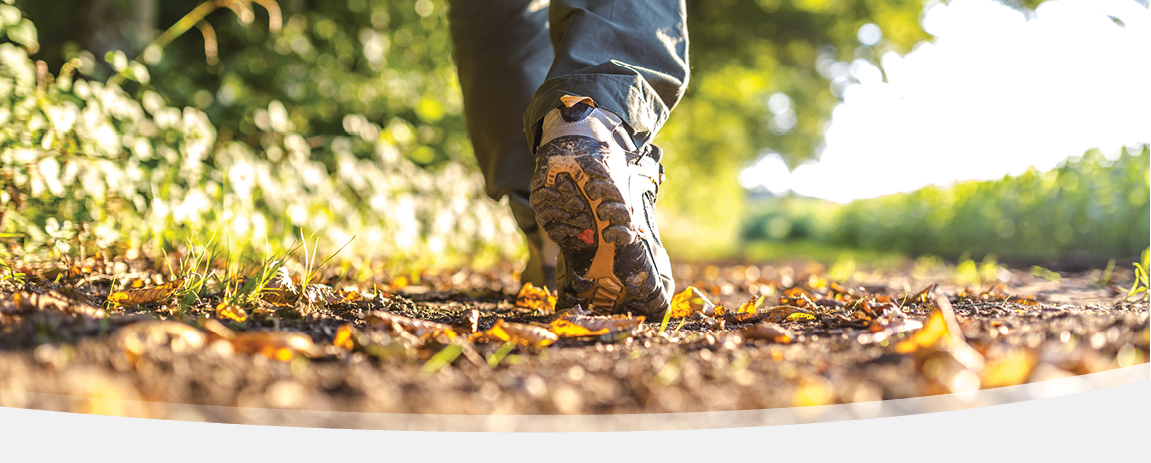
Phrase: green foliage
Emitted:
{"points": [[1089, 209], [85, 162]]}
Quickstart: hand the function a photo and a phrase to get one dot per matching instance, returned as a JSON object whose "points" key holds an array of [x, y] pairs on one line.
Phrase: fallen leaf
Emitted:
{"points": [[921, 297], [536, 298], [350, 295], [276, 345], [421, 328], [569, 325], [767, 331], [23, 302], [145, 296], [1009, 370], [941, 333], [784, 313], [689, 301], [231, 312], [934, 330], [519, 333], [796, 297], [280, 289], [343, 337], [321, 295]]}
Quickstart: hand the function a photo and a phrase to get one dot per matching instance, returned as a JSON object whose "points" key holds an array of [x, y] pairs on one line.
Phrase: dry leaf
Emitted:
{"points": [[216, 330], [280, 289], [769, 332], [749, 311], [350, 296], [784, 313], [796, 297], [421, 328], [231, 312], [569, 325], [536, 298], [934, 330], [276, 345], [52, 300], [1009, 370], [145, 296], [689, 301], [941, 333], [321, 295], [343, 337], [519, 333]]}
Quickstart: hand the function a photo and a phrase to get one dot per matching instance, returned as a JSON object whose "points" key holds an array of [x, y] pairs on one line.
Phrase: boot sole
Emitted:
{"points": [[610, 267]]}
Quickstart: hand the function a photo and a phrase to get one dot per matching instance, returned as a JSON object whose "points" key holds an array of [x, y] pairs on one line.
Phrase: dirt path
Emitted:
{"points": [[52, 341]]}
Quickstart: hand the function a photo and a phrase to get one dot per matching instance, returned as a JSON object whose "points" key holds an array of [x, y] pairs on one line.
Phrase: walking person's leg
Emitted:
{"points": [[620, 68], [502, 55]]}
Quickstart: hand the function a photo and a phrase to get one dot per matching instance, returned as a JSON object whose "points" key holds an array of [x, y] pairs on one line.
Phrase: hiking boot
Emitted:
{"points": [[594, 194]]}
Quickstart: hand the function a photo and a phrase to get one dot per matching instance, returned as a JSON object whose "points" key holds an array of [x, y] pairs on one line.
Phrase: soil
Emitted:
{"points": [[64, 343]]}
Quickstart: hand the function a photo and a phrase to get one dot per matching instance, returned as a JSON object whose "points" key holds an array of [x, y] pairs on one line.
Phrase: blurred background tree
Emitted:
{"points": [[349, 75]]}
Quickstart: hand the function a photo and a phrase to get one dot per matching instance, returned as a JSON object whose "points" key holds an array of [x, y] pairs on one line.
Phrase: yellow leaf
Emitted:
{"points": [[689, 301], [343, 338], [747, 311], [519, 333], [1009, 370], [536, 298], [574, 326], [566, 329], [786, 313], [399, 283], [934, 330], [145, 296], [231, 312]]}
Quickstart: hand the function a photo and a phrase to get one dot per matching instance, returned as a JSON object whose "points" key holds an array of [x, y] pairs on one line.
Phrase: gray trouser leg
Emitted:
{"points": [[502, 55], [630, 56]]}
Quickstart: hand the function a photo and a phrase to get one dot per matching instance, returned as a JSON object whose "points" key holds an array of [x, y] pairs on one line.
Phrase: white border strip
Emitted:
{"points": [[578, 423]]}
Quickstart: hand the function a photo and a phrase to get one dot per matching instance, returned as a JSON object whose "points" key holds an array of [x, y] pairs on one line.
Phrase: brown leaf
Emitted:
{"points": [[796, 297], [784, 313], [145, 296], [23, 302], [518, 333], [280, 289], [421, 328], [767, 331], [276, 345], [321, 295]]}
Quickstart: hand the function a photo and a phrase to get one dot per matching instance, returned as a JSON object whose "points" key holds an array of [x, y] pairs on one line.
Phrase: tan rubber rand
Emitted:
{"points": [[607, 289]]}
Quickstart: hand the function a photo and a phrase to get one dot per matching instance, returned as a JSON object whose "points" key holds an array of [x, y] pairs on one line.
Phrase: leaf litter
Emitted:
{"points": [[796, 338]]}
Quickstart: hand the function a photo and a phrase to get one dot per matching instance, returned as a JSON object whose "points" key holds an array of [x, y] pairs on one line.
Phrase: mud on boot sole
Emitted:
{"points": [[610, 268]]}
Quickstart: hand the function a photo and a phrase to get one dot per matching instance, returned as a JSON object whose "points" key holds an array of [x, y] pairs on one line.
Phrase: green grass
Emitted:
{"points": [[764, 251]]}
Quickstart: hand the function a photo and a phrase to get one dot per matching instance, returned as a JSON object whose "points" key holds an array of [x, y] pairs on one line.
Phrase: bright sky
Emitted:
{"points": [[993, 94]]}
